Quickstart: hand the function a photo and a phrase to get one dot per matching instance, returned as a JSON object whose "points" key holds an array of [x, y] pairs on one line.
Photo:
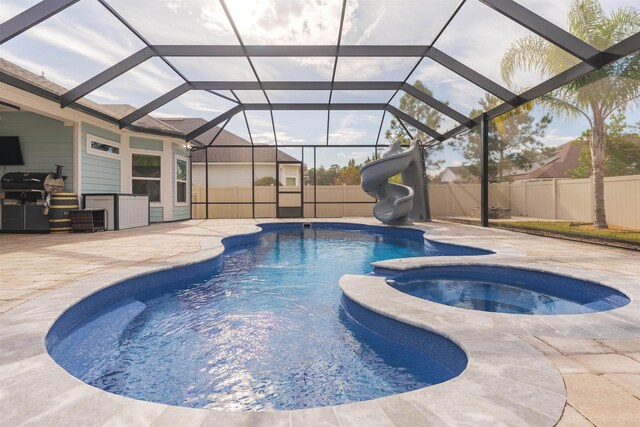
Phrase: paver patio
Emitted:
{"points": [[599, 361]]}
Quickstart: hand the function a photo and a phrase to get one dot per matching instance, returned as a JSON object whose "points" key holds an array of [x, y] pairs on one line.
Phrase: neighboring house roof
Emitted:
{"points": [[41, 82], [456, 170], [452, 174], [189, 124], [121, 110], [117, 111], [229, 154], [565, 158]]}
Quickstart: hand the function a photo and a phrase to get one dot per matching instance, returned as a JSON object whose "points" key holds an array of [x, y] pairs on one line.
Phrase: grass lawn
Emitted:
{"points": [[573, 228]]}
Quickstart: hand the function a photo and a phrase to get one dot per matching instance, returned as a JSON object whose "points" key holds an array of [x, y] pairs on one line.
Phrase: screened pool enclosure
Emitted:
{"points": [[281, 101]]}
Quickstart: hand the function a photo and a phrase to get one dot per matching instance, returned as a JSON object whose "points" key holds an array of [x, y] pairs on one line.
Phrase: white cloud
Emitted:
{"points": [[290, 22], [358, 156], [553, 139]]}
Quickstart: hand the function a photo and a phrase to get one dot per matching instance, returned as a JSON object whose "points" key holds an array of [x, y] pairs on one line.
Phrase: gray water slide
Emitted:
{"points": [[397, 203]]}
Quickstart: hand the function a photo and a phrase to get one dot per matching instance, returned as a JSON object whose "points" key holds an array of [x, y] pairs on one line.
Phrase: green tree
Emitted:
{"points": [[514, 140], [349, 174], [423, 113], [323, 176], [595, 96], [623, 150], [265, 181]]}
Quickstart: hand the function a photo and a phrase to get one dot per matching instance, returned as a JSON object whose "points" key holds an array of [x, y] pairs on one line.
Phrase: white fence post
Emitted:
{"points": [[344, 199], [554, 195]]}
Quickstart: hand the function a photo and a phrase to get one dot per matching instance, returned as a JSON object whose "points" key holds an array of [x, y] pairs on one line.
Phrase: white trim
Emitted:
{"points": [[105, 141], [125, 165], [155, 153], [77, 158], [177, 157]]}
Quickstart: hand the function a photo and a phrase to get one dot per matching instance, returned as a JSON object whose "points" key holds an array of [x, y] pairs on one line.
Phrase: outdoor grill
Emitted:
{"points": [[31, 186]]}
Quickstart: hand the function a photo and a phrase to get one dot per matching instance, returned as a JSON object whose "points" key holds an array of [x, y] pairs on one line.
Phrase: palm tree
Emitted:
{"points": [[595, 96]]}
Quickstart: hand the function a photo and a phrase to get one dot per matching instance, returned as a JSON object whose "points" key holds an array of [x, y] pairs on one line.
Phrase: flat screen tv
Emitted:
{"points": [[10, 153]]}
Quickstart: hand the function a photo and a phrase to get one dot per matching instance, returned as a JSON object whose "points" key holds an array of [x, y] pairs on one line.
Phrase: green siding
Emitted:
{"points": [[179, 212], [156, 214], [99, 174], [145, 143], [44, 143]]}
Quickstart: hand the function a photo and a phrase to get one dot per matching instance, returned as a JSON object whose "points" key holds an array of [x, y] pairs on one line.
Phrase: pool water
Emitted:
{"points": [[508, 290], [266, 331]]}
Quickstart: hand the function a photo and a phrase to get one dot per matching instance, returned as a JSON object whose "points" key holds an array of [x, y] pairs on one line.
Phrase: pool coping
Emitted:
{"points": [[485, 393]]}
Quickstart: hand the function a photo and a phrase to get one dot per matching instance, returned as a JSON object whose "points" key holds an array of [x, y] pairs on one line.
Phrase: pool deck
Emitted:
{"points": [[523, 370]]}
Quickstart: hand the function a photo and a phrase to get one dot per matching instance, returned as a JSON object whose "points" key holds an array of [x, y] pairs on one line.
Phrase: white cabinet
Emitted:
{"points": [[122, 210]]}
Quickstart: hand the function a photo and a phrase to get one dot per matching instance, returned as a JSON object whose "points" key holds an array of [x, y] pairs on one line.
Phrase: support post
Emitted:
{"points": [[484, 178], [190, 185], [206, 182]]}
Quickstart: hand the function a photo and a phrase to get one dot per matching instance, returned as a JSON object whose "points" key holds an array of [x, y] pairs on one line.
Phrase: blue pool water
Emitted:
{"points": [[508, 290], [266, 330]]}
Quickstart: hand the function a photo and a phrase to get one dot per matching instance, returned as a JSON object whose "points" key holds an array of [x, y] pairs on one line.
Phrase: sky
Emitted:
{"points": [[85, 39]]}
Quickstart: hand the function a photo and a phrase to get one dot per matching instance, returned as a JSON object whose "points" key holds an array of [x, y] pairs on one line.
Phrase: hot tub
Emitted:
{"points": [[506, 290]]}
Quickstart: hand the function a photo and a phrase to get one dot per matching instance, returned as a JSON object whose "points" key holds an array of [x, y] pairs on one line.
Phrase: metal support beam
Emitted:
{"points": [[213, 123], [400, 115], [437, 105], [206, 182], [313, 106], [218, 133], [31, 17], [435, 39], [471, 75], [295, 85], [106, 76], [405, 129], [290, 50], [248, 85], [545, 29], [484, 174], [610, 55]]}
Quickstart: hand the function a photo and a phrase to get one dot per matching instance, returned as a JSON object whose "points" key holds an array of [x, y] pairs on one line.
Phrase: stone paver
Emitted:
{"points": [[601, 401], [608, 363], [598, 355], [573, 418], [574, 346]]}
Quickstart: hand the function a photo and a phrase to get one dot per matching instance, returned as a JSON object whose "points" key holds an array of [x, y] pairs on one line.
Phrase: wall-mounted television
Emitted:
{"points": [[10, 153]]}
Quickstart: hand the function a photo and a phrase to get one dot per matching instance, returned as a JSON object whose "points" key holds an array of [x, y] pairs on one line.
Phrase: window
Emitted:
{"points": [[145, 171], [182, 174], [102, 147], [290, 181]]}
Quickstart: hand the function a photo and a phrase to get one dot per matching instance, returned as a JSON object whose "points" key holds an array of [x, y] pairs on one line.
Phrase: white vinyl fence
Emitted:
{"points": [[562, 199]]}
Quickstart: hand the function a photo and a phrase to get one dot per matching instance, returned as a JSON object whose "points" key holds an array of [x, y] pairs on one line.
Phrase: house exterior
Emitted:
{"points": [[452, 174], [230, 162], [564, 158], [97, 156]]}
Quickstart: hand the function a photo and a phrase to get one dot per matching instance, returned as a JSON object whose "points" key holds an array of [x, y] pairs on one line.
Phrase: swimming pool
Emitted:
{"points": [[507, 290], [261, 327]]}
